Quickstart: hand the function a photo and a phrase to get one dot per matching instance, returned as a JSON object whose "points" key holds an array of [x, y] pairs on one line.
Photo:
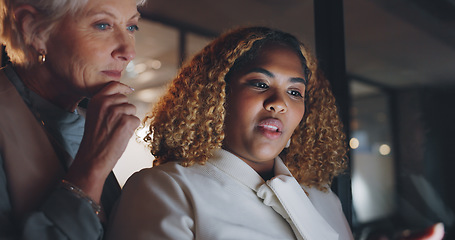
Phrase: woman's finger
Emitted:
{"points": [[115, 87]]}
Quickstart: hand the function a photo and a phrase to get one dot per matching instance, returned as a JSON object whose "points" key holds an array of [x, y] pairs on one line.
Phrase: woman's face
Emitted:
{"points": [[93, 48], [265, 103]]}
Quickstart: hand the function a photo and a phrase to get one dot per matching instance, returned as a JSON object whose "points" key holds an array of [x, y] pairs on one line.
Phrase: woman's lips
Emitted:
{"points": [[270, 128], [113, 74]]}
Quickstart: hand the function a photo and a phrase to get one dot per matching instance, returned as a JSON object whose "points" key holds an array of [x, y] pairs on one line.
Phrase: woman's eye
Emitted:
{"points": [[132, 28], [260, 85], [102, 26], [295, 93]]}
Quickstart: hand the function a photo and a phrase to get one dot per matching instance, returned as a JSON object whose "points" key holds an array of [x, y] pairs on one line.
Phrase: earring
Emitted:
{"points": [[41, 56], [288, 143]]}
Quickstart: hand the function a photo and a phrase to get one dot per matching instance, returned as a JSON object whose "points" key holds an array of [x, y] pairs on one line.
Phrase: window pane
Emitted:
{"points": [[373, 171]]}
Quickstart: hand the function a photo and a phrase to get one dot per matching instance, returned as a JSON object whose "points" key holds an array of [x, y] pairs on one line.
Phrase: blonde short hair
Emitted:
{"points": [[18, 48], [187, 124]]}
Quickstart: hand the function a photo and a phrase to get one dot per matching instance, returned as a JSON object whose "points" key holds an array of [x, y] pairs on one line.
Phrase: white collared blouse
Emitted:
{"points": [[223, 199]]}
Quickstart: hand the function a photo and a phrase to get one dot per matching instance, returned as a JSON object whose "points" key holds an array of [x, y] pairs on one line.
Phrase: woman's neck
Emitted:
{"points": [[267, 175], [40, 82], [265, 169]]}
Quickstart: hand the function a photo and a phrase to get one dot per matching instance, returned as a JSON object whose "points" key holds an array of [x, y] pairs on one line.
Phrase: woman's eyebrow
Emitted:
{"points": [[269, 74], [105, 12], [299, 80], [260, 70]]}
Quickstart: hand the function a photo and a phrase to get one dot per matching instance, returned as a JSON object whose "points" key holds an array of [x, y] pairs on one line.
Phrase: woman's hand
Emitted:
{"points": [[110, 123]]}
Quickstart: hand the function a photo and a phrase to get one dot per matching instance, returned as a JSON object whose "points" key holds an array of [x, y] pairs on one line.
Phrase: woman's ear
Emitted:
{"points": [[26, 17]]}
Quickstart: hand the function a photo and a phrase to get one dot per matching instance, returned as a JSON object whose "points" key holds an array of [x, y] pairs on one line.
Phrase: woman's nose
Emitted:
{"points": [[126, 49], [275, 103]]}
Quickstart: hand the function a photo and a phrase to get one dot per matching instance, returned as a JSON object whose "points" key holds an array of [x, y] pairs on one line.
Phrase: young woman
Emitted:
{"points": [[247, 141]]}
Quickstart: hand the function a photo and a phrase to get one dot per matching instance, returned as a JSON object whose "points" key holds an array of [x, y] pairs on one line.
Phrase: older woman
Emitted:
{"points": [[54, 171]]}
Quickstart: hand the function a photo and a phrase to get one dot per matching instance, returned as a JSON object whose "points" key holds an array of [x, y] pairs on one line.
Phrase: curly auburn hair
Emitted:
{"points": [[187, 123]]}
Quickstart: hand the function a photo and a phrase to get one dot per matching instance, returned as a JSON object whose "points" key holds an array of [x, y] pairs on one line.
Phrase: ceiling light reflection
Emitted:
{"points": [[354, 143], [155, 64], [384, 149], [140, 68], [130, 67]]}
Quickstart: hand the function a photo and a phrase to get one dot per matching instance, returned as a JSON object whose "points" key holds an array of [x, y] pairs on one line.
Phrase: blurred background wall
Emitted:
{"points": [[391, 65]]}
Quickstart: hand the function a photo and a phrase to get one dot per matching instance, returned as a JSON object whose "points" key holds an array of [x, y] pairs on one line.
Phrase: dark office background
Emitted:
{"points": [[391, 65]]}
